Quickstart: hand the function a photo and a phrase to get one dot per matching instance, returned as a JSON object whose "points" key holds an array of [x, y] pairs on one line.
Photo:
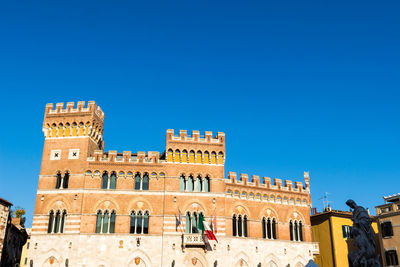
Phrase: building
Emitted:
{"points": [[24, 254], [13, 236], [96, 208], [5, 217], [332, 229], [388, 216]]}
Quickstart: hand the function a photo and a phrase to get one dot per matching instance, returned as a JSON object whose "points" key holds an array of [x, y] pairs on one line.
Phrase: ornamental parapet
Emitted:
{"points": [[151, 157]]}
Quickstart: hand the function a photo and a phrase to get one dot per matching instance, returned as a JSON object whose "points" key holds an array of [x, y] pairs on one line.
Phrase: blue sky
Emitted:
{"points": [[295, 85]]}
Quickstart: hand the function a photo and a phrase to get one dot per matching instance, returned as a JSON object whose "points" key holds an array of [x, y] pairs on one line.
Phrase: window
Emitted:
{"points": [[192, 222], [139, 222], [145, 185], [207, 184], [62, 182], [182, 183], [346, 229], [109, 182], [105, 222], [104, 181], [58, 180], [198, 184], [137, 181], [386, 209], [239, 225], [66, 180], [113, 180], [296, 230], [190, 185], [269, 228], [391, 257], [56, 221], [387, 229]]}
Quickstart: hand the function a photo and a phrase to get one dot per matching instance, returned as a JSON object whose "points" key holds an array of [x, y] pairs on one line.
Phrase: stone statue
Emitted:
{"points": [[363, 235]]}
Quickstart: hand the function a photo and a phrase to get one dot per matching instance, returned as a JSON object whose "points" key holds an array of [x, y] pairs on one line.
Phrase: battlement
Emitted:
{"points": [[126, 157], [265, 182], [196, 137], [91, 107]]}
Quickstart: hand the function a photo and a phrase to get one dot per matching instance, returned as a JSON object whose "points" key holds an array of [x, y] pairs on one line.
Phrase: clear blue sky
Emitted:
{"points": [[295, 85]]}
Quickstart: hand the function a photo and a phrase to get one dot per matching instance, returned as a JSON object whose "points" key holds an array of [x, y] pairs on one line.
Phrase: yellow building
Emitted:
{"points": [[332, 229], [24, 254]]}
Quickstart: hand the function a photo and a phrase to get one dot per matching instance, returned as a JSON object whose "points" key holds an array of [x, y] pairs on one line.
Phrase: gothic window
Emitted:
{"points": [[269, 228], [213, 158], [234, 225], [182, 183], [104, 181], [58, 180], [207, 184], [206, 157], [199, 156], [105, 222], [194, 223], [391, 258], [240, 229], [177, 157], [296, 230], [184, 156], [66, 180], [188, 223], [300, 231], [139, 222], [56, 221], [137, 181], [198, 184], [145, 185], [220, 158], [112, 222], [113, 180], [170, 155], [291, 230], [98, 222], [190, 183], [133, 222], [191, 156], [245, 226]]}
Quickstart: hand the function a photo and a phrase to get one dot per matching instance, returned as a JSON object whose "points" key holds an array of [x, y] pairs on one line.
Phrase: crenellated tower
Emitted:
{"points": [[72, 133]]}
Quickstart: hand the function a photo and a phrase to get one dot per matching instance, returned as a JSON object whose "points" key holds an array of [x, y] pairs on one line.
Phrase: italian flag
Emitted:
{"points": [[203, 226]]}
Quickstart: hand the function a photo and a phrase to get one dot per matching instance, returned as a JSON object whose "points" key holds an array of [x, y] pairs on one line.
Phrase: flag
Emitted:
{"points": [[203, 226], [180, 217]]}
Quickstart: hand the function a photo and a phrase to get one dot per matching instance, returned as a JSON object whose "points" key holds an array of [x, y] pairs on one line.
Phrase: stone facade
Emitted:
{"points": [[87, 200], [4, 219]]}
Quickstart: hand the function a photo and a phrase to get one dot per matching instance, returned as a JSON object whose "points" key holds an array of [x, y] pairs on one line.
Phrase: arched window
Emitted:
{"points": [[139, 222], [177, 157], [213, 158], [105, 222], [188, 223], [133, 222], [112, 222], [269, 230], [51, 219], [245, 226], [74, 129], [104, 181], [194, 223], [240, 229], [182, 183], [198, 184], [98, 222], [191, 156], [234, 225], [190, 183], [137, 181], [63, 218], [206, 157], [207, 184], [300, 231], [66, 180], [170, 155], [274, 228], [184, 156], [57, 222], [146, 223], [67, 129], [58, 180], [113, 180], [296, 231], [145, 185], [199, 156], [220, 158], [263, 227], [291, 230]]}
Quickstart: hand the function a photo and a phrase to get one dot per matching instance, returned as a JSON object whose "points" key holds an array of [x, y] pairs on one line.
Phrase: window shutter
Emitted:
{"points": [[344, 231]]}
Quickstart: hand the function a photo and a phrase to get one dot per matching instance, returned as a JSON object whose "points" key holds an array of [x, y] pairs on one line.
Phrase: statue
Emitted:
{"points": [[363, 235]]}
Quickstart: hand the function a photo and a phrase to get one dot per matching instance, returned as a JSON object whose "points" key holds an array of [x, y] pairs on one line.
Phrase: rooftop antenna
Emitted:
{"points": [[326, 202]]}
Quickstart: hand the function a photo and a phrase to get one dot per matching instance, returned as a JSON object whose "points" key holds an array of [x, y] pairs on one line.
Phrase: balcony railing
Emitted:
{"points": [[193, 240]]}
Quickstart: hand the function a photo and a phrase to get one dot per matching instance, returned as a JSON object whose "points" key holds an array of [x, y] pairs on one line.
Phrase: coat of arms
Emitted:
{"points": [[137, 260], [194, 261], [51, 260]]}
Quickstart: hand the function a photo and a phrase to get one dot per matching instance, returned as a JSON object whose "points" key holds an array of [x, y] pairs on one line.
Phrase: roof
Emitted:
{"points": [[5, 202], [392, 198]]}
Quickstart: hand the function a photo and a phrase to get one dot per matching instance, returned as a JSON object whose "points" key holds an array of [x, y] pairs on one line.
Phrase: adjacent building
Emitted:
{"points": [[103, 209], [332, 229], [5, 217], [24, 254], [388, 216]]}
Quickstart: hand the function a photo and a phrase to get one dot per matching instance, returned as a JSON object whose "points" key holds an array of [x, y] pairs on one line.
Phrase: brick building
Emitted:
{"points": [[96, 208]]}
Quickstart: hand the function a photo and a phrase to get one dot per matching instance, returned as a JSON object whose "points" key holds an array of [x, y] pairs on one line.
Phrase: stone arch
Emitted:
{"points": [[292, 216], [61, 203], [236, 209], [273, 214], [299, 261], [139, 203], [52, 259], [271, 258], [201, 206], [195, 256], [106, 204], [241, 260], [140, 256]]}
